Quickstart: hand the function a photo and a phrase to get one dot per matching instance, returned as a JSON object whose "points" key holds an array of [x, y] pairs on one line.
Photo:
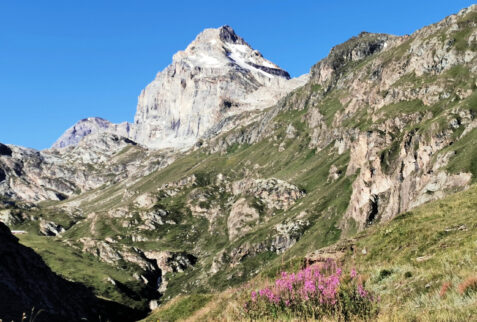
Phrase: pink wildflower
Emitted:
{"points": [[313, 285], [361, 291], [309, 286], [353, 273]]}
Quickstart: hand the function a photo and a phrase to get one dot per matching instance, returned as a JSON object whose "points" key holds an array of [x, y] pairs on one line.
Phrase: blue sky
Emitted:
{"points": [[61, 61]]}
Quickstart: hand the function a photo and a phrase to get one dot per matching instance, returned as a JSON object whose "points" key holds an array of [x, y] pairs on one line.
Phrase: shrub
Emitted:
{"points": [[314, 292], [384, 273], [203, 179]]}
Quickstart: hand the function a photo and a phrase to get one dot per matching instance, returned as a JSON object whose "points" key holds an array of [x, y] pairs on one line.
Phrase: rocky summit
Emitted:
{"points": [[217, 77], [233, 172]]}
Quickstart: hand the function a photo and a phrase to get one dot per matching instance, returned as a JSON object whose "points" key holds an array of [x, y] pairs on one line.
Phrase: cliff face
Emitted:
{"points": [[411, 102], [216, 76]]}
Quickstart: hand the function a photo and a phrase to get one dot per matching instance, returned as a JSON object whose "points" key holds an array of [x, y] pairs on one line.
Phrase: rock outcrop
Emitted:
{"points": [[49, 228], [240, 218], [275, 193]]}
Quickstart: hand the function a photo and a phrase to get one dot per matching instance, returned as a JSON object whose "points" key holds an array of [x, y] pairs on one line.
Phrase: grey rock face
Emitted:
{"points": [[217, 76], [49, 228], [56, 174]]}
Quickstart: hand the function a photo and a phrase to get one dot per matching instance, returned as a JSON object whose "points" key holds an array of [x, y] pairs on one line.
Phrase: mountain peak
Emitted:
{"points": [[87, 126], [221, 47], [224, 34], [218, 75]]}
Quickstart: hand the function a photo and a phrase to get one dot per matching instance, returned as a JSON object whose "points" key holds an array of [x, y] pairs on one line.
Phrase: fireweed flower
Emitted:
{"points": [[310, 288], [353, 273], [361, 291]]}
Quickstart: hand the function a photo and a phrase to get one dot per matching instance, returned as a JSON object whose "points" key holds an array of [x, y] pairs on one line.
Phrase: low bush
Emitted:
{"points": [[313, 293]]}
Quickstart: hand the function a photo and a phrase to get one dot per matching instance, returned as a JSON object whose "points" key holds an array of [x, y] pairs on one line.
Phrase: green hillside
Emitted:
{"points": [[416, 264]]}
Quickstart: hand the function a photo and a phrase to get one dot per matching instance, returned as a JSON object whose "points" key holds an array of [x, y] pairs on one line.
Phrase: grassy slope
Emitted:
{"points": [[408, 285], [85, 268], [410, 258]]}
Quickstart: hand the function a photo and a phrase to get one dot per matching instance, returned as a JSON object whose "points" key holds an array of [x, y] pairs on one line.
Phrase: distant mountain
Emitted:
{"points": [[88, 126]]}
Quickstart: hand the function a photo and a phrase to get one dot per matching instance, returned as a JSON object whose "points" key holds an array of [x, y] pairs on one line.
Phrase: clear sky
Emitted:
{"points": [[61, 61]]}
